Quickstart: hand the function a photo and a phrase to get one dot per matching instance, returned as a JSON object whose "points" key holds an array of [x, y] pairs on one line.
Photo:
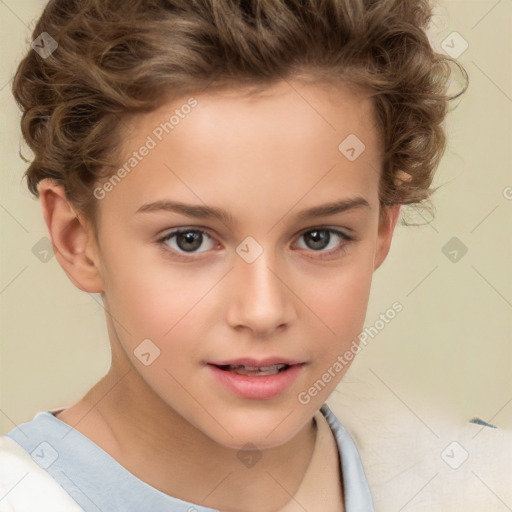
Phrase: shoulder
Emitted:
{"points": [[25, 486]]}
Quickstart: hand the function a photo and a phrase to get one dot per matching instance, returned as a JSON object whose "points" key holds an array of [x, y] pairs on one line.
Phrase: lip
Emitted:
{"points": [[256, 387], [250, 361]]}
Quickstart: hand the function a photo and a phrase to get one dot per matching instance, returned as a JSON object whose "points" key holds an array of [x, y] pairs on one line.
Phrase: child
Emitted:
{"points": [[279, 139]]}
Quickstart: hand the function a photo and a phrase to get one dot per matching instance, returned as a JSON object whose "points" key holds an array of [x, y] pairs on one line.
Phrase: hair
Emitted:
{"points": [[120, 57]]}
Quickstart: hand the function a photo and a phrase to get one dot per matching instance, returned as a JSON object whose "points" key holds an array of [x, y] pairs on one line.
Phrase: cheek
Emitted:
{"points": [[173, 310], [341, 298], [341, 306], [149, 294]]}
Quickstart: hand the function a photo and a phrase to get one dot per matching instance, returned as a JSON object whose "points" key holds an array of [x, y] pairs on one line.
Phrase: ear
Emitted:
{"points": [[72, 238], [389, 216]]}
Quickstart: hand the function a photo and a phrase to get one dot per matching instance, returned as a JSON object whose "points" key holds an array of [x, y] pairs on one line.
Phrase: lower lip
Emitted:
{"points": [[257, 387]]}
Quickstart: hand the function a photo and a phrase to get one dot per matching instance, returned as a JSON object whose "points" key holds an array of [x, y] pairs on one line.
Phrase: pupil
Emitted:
{"points": [[189, 237], [319, 238]]}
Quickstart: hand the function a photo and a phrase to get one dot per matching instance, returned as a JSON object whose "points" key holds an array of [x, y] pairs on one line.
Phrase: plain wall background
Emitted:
{"points": [[448, 350]]}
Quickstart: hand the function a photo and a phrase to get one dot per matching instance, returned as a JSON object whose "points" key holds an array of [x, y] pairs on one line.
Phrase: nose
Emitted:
{"points": [[260, 300]]}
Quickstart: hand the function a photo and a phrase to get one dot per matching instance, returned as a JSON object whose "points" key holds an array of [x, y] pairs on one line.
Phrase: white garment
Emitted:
{"points": [[25, 486], [424, 461]]}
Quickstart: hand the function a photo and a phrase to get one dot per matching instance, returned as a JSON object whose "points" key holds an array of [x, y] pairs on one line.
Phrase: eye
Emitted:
{"points": [[187, 240], [325, 240], [183, 241]]}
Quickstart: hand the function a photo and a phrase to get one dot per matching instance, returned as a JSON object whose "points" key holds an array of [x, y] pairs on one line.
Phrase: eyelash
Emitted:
{"points": [[180, 255]]}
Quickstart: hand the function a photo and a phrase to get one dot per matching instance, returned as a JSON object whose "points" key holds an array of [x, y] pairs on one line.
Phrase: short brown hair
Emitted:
{"points": [[116, 57]]}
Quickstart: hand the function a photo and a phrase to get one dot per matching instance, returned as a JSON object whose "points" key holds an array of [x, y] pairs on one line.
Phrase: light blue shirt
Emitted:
{"points": [[98, 483]]}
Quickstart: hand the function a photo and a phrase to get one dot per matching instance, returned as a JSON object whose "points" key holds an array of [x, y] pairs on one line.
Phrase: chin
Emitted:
{"points": [[262, 428]]}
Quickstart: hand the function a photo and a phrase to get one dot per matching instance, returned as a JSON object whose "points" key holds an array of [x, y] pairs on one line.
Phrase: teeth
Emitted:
{"points": [[255, 370]]}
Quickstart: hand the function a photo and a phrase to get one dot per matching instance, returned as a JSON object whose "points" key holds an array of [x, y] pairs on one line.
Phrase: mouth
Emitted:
{"points": [[254, 371], [250, 378]]}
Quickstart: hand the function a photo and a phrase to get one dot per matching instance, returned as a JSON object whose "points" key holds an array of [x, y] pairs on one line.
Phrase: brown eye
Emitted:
{"points": [[187, 240], [319, 239]]}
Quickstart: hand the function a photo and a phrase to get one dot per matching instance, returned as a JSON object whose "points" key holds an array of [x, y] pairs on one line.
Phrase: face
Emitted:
{"points": [[243, 238]]}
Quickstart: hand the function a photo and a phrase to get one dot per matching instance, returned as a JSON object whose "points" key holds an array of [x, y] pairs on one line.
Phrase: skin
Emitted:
{"points": [[263, 158]]}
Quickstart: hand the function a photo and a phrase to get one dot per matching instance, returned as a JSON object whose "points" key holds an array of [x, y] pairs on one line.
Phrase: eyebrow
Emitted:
{"points": [[204, 212]]}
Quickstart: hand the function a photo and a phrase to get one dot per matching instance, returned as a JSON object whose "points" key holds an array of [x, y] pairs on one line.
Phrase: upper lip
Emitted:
{"points": [[256, 363]]}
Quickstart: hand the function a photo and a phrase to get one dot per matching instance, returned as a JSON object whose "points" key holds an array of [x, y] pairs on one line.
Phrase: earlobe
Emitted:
{"points": [[71, 238], [388, 222]]}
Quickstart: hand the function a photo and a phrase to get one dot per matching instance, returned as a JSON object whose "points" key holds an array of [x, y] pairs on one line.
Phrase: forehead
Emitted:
{"points": [[303, 109], [285, 138]]}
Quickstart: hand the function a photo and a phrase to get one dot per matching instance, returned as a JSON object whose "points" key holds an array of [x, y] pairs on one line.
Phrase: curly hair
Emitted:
{"points": [[117, 57]]}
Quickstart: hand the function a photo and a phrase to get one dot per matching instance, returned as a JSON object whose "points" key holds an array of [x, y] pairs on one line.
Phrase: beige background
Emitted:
{"points": [[448, 351]]}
